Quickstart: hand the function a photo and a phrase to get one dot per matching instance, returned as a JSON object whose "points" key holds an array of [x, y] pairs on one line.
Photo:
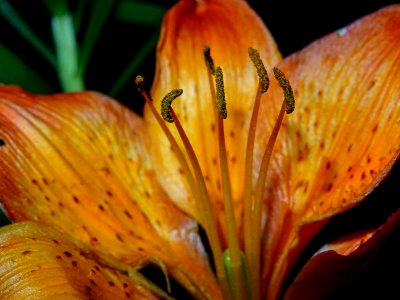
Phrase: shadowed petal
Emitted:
{"points": [[339, 262], [343, 138], [78, 162], [228, 28], [37, 262]]}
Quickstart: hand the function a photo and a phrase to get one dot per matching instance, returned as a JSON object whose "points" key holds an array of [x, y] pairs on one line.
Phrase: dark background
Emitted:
{"points": [[293, 25]]}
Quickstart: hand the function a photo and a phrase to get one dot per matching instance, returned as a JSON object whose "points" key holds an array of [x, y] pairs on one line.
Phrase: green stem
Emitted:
{"points": [[66, 48]]}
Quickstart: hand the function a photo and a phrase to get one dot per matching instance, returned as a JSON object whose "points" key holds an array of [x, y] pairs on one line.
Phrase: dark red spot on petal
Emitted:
{"points": [[128, 214], [119, 237], [67, 254], [375, 128], [349, 147], [328, 165], [88, 290]]}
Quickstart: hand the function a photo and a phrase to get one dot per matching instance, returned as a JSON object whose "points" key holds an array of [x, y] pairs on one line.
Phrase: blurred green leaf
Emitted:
{"points": [[140, 12], [14, 70], [99, 13], [11, 15], [65, 44], [148, 46], [78, 14]]}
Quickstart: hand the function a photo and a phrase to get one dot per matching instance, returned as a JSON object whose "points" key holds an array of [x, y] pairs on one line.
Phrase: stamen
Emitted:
{"points": [[249, 241], [221, 102], [287, 90], [166, 104], [204, 205], [238, 285], [198, 188], [209, 60], [225, 285], [255, 242], [174, 144], [261, 71]]}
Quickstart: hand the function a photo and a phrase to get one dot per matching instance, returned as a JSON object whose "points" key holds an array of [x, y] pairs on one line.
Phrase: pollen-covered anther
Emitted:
{"points": [[261, 71], [208, 59], [221, 102], [166, 104], [287, 90]]}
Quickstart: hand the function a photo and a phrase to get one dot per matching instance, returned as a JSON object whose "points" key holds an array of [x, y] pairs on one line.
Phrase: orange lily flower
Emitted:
{"points": [[98, 192]]}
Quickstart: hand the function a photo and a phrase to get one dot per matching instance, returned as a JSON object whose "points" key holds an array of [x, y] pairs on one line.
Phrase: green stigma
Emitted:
{"points": [[139, 80], [220, 89], [261, 71], [208, 59], [166, 104], [287, 90]]}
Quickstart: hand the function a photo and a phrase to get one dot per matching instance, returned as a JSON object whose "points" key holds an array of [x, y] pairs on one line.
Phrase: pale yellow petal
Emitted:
{"points": [[37, 262]]}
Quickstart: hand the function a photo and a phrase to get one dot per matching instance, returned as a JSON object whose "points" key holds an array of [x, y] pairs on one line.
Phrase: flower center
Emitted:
{"points": [[237, 270]]}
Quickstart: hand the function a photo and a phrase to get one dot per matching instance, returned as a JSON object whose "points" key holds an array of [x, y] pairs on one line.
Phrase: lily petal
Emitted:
{"points": [[78, 162], [343, 138], [339, 262], [37, 262], [228, 28]]}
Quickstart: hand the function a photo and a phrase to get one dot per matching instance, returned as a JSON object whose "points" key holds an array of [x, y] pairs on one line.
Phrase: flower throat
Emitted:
{"points": [[237, 270]]}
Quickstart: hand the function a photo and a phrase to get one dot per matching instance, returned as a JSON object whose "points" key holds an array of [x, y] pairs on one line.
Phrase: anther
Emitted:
{"points": [[166, 104], [221, 102], [261, 71], [208, 59], [287, 90]]}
